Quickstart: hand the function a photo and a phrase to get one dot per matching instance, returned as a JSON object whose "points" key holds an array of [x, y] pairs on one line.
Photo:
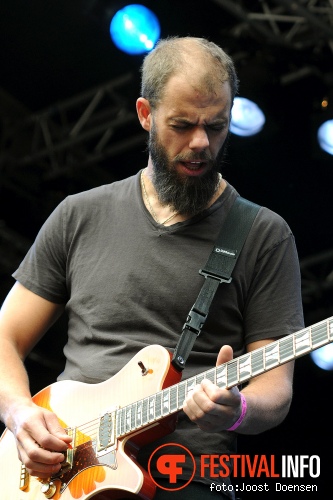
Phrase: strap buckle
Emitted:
{"points": [[195, 321], [207, 274]]}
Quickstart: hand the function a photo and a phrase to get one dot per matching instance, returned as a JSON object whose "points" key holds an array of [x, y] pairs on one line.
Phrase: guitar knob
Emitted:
{"points": [[144, 370], [48, 489]]}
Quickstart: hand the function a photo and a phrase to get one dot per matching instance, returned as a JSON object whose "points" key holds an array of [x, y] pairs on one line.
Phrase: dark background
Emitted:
{"points": [[58, 62]]}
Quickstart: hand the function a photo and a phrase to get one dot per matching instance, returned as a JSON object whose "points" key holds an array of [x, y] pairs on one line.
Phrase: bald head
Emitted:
{"points": [[204, 65]]}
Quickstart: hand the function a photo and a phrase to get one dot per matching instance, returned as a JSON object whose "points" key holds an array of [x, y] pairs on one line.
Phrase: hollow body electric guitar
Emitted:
{"points": [[109, 422]]}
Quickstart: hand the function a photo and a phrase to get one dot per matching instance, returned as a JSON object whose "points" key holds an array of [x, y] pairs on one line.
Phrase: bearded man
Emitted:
{"points": [[122, 260]]}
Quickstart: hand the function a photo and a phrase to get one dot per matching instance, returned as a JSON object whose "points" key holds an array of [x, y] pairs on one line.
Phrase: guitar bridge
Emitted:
{"points": [[24, 478], [67, 464]]}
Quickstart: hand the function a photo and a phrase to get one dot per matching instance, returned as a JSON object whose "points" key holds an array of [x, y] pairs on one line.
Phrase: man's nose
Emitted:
{"points": [[199, 139]]}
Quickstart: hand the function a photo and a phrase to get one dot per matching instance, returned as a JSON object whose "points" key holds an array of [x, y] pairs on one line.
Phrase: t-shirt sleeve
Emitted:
{"points": [[274, 303], [43, 270]]}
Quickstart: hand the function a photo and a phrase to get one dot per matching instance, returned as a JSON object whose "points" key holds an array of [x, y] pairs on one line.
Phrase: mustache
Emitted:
{"points": [[203, 156]]}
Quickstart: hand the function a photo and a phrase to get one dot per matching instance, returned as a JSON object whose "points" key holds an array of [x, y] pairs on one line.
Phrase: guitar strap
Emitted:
{"points": [[218, 269]]}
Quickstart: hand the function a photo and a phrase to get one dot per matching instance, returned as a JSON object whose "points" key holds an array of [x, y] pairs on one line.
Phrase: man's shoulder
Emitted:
{"points": [[105, 192], [270, 219], [269, 227]]}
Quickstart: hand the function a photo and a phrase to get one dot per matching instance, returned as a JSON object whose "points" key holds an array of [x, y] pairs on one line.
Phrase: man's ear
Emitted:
{"points": [[144, 113]]}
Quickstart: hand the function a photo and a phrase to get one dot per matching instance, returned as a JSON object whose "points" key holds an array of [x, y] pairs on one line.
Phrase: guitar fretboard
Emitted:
{"points": [[237, 371]]}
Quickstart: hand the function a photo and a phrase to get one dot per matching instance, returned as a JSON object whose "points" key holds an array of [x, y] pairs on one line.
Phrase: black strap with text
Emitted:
{"points": [[218, 269]]}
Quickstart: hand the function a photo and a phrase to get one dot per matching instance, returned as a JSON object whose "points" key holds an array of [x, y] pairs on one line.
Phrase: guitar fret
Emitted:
{"points": [[166, 402], [138, 414], [302, 342], [181, 394], [118, 421], [128, 411], [244, 367], [257, 361], [199, 378], [123, 421], [232, 373], [272, 357], [190, 384], [158, 405], [319, 336], [286, 348], [133, 416], [221, 379], [145, 417], [174, 398], [151, 408], [211, 375]]}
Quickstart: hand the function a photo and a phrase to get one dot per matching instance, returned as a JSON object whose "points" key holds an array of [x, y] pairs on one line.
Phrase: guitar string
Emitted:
{"points": [[316, 335]]}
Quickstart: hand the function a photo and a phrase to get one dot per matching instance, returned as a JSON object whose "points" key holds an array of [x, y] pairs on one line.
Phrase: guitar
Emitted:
{"points": [[109, 422]]}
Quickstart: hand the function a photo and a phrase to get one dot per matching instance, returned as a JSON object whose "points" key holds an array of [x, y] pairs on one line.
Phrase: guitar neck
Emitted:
{"points": [[235, 372]]}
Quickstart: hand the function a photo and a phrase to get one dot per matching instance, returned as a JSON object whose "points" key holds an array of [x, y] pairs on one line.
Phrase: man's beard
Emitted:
{"points": [[185, 195]]}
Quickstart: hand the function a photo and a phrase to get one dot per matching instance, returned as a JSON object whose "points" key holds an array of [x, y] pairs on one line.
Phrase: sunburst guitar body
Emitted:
{"points": [[107, 432]]}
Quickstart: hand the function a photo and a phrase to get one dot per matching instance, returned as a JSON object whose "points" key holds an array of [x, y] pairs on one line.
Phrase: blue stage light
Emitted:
{"points": [[325, 136], [323, 357], [135, 29], [246, 117]]}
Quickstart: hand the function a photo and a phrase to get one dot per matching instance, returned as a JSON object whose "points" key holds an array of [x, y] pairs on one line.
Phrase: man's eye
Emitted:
{"points": [[216, 128], [186, 126], [180, 127]]}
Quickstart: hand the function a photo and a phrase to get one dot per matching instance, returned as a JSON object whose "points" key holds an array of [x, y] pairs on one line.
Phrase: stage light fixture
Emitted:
{"points": [[323, 357], [135, 29], [246, 117], [325, 136]]}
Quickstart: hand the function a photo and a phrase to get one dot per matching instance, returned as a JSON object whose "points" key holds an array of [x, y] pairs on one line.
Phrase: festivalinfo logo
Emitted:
{"points": [[173, 463]]}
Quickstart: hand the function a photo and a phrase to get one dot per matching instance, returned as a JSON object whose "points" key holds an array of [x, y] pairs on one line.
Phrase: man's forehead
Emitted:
{"points": [[198, 81], [180, 95]]}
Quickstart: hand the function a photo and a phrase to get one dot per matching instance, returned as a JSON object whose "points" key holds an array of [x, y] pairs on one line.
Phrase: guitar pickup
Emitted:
{"points": [[107, 431]]}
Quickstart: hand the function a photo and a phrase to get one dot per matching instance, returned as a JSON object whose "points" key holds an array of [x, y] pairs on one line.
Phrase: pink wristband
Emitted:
{"points": [[242, 415]]}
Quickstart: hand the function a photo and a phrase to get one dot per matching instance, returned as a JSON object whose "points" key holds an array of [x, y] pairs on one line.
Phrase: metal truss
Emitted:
{"points": [[296, 24], [99, 123], [74, 133]]}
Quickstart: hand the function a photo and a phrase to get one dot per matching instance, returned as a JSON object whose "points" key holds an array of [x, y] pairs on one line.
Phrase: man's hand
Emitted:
{"points": [[211, 408], [40, 440]]}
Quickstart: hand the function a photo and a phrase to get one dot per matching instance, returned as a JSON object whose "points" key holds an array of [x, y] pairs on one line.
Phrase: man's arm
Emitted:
{"points": [[24, 318], [268, 397]]}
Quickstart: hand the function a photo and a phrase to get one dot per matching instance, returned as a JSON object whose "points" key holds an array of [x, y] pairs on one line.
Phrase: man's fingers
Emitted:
{"points": [[226, 354], [52, 424], [39, 461]]}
